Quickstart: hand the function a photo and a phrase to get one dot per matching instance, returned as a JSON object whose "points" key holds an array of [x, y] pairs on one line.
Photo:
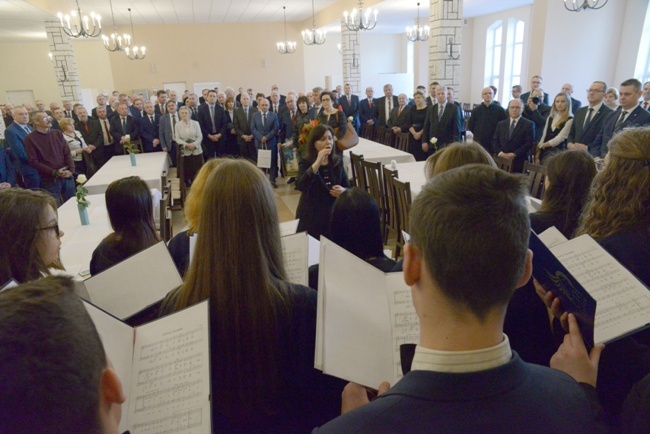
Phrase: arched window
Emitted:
{"points": [[493, 52], [514, 54], [504, 56]]}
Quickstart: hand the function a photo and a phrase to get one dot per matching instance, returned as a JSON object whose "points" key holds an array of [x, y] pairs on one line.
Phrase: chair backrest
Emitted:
{"points": [[180, 173], [504, 163], [402, 141], [373, 177], [466, 106], [385, 136], [403, 202], [356, 161], [367, 131], [536, 178], [166, 214], [389, 201], [163, 180]]}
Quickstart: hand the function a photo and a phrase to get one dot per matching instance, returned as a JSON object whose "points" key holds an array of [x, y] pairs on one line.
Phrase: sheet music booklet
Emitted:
{"points": [[363, 317], [300, 251], [164, 367], [608, 301]]}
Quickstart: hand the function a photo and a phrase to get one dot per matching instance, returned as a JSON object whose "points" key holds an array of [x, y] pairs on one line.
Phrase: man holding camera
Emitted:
{"points": [[536, 110]]}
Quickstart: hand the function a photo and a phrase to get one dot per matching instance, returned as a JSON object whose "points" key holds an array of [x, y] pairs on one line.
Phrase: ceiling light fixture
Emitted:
{"points": [[313, 36], [286, 47], [357, 20], [77, 26], [116, 42], [583, 5], [136, 53], [418, 32]]}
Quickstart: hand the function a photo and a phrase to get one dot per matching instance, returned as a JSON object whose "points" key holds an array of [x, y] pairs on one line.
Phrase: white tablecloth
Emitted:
{"points": [[149, 167], [413, 173], [376, 153]]}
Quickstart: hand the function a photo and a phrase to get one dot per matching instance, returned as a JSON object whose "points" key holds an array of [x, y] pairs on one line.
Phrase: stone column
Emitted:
{"points": [[351, 58], [445, 20], [63, 59]]}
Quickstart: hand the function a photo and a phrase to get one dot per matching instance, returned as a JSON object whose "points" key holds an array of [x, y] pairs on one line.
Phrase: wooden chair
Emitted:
{"points": [[385, 136], [367, 131], [402, 141], [358, 177], [467, 107], [180, 173], [536, 177], [166, 214], [403, 202], [390, 218], [373, 176], [504, 163]]}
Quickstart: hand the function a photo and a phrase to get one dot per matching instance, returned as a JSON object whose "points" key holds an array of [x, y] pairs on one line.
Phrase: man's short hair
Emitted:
{"points": [[52, 360], [517, 87], [604, 84], [161, 92], [472, 227], [632, 82]]}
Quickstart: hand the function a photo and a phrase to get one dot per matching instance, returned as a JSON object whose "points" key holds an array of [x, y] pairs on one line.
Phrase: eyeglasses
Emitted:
{"points": [[326, 99], [595, 91], [55, 227]]}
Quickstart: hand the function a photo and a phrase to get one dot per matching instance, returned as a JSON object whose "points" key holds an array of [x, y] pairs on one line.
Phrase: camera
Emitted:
{"points": [[535, 100]]}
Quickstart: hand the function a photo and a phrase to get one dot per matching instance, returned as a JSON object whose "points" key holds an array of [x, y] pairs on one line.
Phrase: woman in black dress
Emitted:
{"points": [[302, 119], [416, 126], [321, 178], [332, 117]]}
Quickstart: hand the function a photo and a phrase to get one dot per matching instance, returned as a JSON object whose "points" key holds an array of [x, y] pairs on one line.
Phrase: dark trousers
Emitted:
{"points": [[61, 189]]}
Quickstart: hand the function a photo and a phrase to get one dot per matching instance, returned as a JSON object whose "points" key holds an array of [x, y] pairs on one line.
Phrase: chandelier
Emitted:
{"points": [[357, 20], [583, 5], [116, 42], [313, 36], [286, 47], [418, 32], [136, 53], [77, 25]]}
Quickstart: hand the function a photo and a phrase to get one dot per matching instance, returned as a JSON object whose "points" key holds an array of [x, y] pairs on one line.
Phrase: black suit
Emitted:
{"points": [[400, 119], [283, 101], [366, 112], [351, 108], [133, 111], [109, 112], [519, 143], [117, 133], [281, 105], [210, 148], [243, 128], [447, 130], [157, 109], [575, 106], [286, 126], [194, 112], [637, 118], [91, 131], [483, 123], [587, 136], [524, 98], [149, 131], [380, 110], [538, 117]]}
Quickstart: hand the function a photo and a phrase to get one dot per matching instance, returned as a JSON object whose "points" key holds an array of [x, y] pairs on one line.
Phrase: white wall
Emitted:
{"points": [[322, 61], [384, 60]]}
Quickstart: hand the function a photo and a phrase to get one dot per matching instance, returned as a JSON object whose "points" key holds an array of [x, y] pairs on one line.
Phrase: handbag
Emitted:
{"points": [[349, 140]]}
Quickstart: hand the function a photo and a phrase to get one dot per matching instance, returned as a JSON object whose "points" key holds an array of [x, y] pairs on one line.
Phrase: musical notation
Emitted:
{"points": [[405, 322], [174, 423], [172, 344]]}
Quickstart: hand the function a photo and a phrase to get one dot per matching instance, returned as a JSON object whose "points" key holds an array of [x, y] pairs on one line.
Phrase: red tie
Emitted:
{"points": [[108, 132], [162, 110], [86, 127], [370, 103], [399, 112]]}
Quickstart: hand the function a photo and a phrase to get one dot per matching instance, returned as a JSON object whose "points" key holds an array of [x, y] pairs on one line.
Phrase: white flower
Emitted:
{"points": [[81, 179], [350, 118], [433, 140]]}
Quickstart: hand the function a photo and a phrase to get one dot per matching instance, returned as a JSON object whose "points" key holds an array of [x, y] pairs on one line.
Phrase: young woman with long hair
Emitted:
{"points": [[262, 327], [130, 210], [556, 129]]}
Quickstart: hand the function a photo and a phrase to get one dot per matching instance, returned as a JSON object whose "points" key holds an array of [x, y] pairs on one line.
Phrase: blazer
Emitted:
{"points": [[505, 399], [243, 124], [109, 112], [283, 101], [220, 121], [400, 120], [165, 134], [575, 106], [149, 131], [15, 140], [524, 97], [520, 143], [156, 109], [366, 112], [286, 125], [281, 106], [117, 133], [91, 131], [314, 112], [7, 172], [135, 112], [587, 136], [189, 134], [447, 130], [350, 108], [637, 118], [268, 130], [380, 109]]}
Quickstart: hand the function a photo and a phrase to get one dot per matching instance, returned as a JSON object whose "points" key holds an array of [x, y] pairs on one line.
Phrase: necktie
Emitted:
{"points": [[275, 108], [193, 111], [108, 133], [246, 113], [512, 128], [162, 109], [212, 118], [26, 128], [263, 118], [619, 124], [293, 116], [399, 111], [370, 103], [174, 124], [67, 114], [441, 110], [86, 127], [588, 121], [349, 100], [151, 119], [390, 107], [124, 125]]}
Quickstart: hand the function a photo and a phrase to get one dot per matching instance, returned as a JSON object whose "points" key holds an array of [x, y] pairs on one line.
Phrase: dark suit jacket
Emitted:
{"points": [[149, 131], [91, 131], [286, 126], [314, 112], [133, 110], [366, 112], [524, 98], [401, 120], [109, 112], [587, 136], [637, 118], [156, 109], [15, 140], [520, 143], [243, 124], [7, 172], [447, 130], [350, 108], [380, 109], [538, 116], [505, 399], [575, 106], [220, 121], [117, 133], [268, 130], [283, 101], [281, 106]]}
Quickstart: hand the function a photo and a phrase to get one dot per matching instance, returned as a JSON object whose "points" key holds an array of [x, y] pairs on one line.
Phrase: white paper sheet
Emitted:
{"points": [[533, 204], [136, 283], [552, 237], [289, 227], [264, 158], [314, 251], [295, 249], [404, 319]]}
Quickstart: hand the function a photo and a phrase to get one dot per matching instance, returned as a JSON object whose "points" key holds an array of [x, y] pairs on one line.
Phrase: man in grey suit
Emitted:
{"points": [[588, 120], [264, 126], [242, 122], [167, 129]]}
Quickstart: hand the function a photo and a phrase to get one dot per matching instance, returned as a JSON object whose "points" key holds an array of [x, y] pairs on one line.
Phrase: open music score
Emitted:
{"points": [[295, 249], [164, 367], [363, 317]]}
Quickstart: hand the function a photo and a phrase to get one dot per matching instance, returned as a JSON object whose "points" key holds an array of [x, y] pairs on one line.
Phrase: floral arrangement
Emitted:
{"points": [[82, 191], [434, 142], [131, 148], [306, 130]]}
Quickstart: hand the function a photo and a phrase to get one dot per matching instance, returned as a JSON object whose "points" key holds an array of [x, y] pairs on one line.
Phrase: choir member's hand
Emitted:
{"points": [[555, 306], [572, 357], [336, 190], [355, 395]]}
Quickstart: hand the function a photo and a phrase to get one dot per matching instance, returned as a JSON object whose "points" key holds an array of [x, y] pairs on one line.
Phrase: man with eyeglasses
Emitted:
{"points": [[514, 136], [588, 120], [49, 154], [535, 83]]}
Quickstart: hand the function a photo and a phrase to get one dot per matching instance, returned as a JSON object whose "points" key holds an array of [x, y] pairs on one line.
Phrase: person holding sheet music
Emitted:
{"points": [[568, 182], [55, 374], [262, 327], [355, 226], [130, 210], [464, 375], [30, 238], [321, 178]]}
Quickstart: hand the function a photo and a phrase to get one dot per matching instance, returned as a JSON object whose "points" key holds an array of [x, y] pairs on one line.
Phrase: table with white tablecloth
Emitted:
{"points": [[413, 173], [148, 166], [376, 153]]}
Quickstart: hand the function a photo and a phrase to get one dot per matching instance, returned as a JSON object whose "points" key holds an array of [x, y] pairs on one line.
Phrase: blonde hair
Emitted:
{"points": [[564, 115], [193, 201], [456, 155], [621, 198], [63, 123]]}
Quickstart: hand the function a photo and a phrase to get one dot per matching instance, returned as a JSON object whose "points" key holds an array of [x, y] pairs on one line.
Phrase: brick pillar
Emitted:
{"points": [[351, 49], [63, 57], [445, 20]]}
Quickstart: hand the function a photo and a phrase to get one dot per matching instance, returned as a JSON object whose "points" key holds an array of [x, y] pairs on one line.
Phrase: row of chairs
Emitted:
{"points": [[386, 136], [165, 209]]}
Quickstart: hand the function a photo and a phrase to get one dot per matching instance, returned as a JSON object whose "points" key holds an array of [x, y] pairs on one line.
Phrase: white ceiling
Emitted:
{"points": [[20, 21]]}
